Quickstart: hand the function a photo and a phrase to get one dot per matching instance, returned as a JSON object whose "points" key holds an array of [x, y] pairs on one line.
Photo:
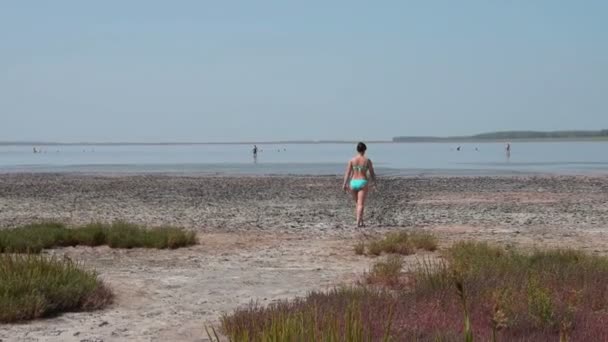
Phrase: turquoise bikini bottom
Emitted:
{"points": [[357, 184]]}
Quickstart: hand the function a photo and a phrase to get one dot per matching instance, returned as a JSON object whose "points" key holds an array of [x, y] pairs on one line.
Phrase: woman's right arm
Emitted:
{"points": [[349, 169]]}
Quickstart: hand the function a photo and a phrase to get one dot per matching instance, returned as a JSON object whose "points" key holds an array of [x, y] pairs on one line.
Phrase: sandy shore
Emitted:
{"points": [[266, 238]]}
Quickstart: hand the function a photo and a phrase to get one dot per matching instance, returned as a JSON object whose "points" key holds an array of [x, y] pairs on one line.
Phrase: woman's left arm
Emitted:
{"points": [[372, 173]]}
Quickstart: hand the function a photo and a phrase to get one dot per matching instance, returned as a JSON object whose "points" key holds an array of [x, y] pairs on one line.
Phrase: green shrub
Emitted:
{"points": [[540, 305], [126, 235], [34, 238], [93, 234], [360, 248], [425, 241], [387, 271], [375, 247], [33, 286], [402, 242]]}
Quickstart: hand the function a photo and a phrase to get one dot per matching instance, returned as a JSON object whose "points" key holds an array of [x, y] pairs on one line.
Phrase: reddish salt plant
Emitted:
{"points": [[348, 314], [521, 296], [475, 292]]}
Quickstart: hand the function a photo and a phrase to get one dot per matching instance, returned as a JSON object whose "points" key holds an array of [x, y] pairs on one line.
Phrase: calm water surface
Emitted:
{"points": [[389, 158]]}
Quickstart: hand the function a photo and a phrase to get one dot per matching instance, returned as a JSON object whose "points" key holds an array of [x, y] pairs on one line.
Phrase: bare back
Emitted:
{"points": [[359, 166]]}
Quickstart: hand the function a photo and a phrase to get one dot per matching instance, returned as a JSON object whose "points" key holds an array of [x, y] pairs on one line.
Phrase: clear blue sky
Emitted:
{"points": [[270, 70]]}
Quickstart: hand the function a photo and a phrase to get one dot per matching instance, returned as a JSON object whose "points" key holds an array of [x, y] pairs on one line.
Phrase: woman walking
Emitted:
{"points": [[355, 179]]}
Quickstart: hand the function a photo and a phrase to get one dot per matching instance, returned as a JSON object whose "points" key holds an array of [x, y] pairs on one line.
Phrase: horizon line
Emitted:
{"points": [[55, 143]]}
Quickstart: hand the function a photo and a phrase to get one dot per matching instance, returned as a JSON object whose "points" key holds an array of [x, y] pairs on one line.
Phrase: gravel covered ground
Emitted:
{"points": [[304, 204], [266, 238]]}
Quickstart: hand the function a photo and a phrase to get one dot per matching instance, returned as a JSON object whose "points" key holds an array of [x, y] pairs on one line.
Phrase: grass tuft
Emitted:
{"points": [[360, 248], [375, 248], [401, 242], [36, 237], [33, 286], [423, 240], [386, 272]]}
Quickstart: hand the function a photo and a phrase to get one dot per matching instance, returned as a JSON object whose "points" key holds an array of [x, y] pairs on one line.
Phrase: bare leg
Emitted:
{"points": [[362, 195], [355, 198]]}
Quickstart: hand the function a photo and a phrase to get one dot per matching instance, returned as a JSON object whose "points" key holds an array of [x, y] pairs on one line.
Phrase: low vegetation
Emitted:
{"points": [[32, 286], [475, 291], [402, 242], [386, 272], [36, 237], [359, 248], [343, 314]]}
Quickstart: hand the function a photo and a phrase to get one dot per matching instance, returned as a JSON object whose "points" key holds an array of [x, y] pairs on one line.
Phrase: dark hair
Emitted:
{"points": [[361, 147]]}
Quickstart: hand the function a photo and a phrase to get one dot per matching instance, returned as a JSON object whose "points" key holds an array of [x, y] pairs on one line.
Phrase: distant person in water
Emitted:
{"points": [[458, 148], [356, 180], [255, 151]]}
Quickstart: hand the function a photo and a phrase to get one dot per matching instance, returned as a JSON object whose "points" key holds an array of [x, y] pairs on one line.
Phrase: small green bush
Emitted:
{"points": [[33, 286], [360, 248], [540, 305], [387, 271], [34, 238], [375, 247], [127, 235], [93, 234], [425, 241], [398, 243], [402, 242]]}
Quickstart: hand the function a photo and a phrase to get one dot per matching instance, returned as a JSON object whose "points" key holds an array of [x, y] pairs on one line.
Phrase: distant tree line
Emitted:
{"points": [[539, 135], [505, 135]]}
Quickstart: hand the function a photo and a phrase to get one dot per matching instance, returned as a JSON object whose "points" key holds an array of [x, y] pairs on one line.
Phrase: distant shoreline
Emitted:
{"points": [[498, 140], [312, 142], [407, 141]]}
